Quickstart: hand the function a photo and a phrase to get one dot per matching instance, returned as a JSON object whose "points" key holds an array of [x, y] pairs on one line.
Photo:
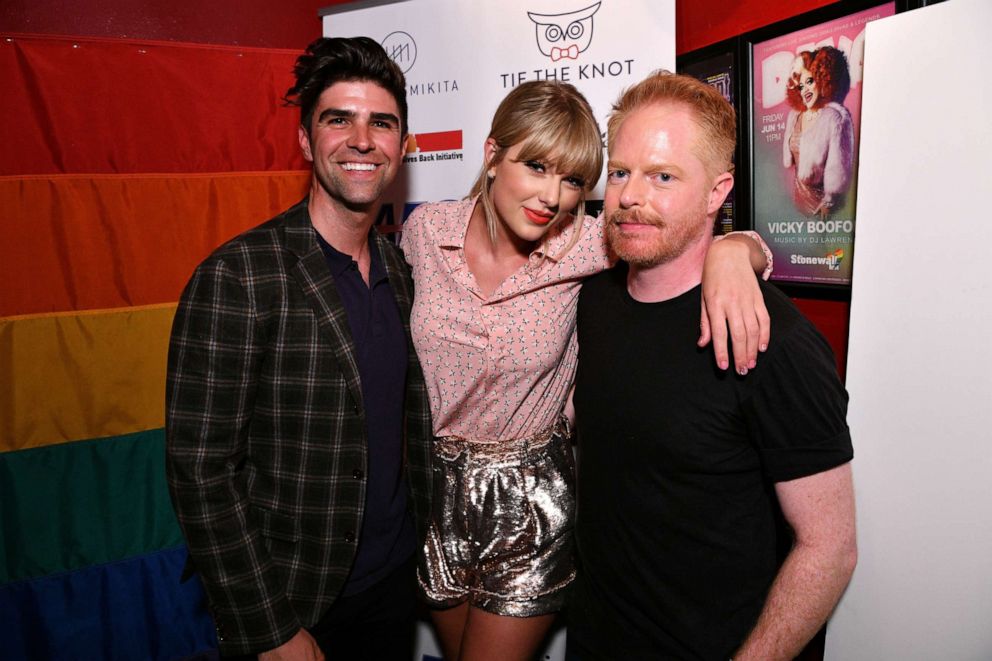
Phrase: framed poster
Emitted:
{"points": [[804, 131], [719, 65]]}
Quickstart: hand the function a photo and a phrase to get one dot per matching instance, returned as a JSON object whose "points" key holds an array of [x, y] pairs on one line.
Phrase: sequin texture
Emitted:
{"points": [[506, 511]]}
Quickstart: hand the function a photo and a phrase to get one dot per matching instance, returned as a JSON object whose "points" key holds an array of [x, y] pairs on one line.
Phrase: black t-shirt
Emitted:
{"points": [[676, 528]]}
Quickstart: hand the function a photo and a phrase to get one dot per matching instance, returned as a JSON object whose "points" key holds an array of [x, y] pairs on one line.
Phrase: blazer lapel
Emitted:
{"points": [[317, 284]]}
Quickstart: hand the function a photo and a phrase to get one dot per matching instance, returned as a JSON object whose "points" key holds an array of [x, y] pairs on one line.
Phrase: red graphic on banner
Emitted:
{"points": [[440, 141]]}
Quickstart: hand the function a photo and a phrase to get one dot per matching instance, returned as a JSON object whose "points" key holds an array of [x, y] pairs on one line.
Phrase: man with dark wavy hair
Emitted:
{"points": [[298, 428]]}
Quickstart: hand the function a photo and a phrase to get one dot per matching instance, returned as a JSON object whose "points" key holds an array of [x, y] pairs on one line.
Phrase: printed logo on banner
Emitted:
{"points": [[401, 48], [564, 36], [433, 147], [832, 260]]}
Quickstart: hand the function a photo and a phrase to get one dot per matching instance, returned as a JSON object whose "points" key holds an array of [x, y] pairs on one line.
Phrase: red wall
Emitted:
{"points": [[294, 23], [257, 23], [702, 22]]}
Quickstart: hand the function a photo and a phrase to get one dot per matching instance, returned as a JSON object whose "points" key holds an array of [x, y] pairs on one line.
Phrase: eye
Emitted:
{"points": [[616, 176], [664, 177], [536, 166], [575, 30], [575, 182], [553, 33]]}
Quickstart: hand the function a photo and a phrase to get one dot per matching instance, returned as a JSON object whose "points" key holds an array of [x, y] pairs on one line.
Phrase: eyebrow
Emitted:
{"points": [[334, 112], [652, 167], [385, 117], [350, 114]]}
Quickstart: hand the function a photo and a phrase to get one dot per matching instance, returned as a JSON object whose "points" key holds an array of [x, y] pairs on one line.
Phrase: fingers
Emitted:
{"points": [[704, 326], [739, 335], [718, 334], [739, 328]]}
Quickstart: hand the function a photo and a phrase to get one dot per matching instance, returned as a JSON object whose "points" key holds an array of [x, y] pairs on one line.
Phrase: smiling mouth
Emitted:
{"points": [[537, 217], [358, 167]]}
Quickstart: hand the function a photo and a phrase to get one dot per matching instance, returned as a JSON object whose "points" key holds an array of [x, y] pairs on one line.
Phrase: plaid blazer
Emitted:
{"points": [[266, 447]]}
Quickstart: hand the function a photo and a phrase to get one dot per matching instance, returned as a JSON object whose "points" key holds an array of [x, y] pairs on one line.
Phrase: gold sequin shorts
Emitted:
{"points": [[500, 535]]}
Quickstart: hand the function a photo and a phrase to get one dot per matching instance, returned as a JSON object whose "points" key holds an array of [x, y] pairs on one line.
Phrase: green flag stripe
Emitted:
{"points": [[69, 506]]}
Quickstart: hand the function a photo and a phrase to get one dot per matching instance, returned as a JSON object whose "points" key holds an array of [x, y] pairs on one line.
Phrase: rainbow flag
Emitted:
{"points": [[124, 164]]}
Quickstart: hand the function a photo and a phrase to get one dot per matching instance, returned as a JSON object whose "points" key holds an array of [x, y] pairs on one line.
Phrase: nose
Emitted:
{"points": [[550, 192], [360, 138], [632, 192]]}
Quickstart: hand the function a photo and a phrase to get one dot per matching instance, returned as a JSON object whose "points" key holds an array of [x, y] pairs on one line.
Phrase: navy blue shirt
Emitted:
{"points": [[388, 537]]}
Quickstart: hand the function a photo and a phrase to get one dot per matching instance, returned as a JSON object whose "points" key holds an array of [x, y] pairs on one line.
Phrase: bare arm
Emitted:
{"points": [[820, 509], [732, 300]]}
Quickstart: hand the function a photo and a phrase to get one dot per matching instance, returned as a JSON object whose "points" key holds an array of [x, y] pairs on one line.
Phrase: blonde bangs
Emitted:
{"points": [[571, 146]]}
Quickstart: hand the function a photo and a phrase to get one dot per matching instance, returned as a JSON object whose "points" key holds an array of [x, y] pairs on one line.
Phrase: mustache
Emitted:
{"points": [[635, 217]]}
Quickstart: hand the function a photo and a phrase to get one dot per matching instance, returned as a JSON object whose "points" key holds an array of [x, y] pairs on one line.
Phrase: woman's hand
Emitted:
{"points": [[732, 301]]}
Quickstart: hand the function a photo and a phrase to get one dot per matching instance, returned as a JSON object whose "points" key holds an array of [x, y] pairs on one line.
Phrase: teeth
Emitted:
{"points": [[359, 166]]}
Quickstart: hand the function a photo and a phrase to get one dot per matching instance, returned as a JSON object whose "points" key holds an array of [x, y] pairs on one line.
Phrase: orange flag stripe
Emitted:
{"points": [[78, 242]]}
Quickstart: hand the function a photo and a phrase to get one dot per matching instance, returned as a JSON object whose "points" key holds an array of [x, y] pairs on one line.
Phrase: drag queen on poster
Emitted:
{"points": [[819, 134]]}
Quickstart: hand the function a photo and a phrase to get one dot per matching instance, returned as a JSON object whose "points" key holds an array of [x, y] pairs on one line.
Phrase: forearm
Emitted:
{"points": [[801, 599], [758, 253]]}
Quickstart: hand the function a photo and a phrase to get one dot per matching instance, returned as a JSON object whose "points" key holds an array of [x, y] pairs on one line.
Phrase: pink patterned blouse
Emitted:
{"points": [[498, 367]]}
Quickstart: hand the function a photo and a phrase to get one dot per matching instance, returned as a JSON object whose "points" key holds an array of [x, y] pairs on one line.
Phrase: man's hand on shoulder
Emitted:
{"points": [[301, 647]]}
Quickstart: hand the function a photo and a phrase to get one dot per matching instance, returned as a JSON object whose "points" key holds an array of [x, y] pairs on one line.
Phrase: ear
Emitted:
{"points": [[304, 143], [722, 186], [490, 151]]}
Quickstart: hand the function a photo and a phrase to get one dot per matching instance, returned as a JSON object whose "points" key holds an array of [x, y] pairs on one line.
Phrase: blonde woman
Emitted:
{"points": [[497, 279]]}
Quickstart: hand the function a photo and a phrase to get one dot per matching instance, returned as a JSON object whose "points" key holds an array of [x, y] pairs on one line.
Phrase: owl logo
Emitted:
{"points": [[564, 36]]}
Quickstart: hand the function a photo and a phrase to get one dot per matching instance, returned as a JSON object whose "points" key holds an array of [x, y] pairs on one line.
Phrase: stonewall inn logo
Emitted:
{"points": [[564, 36]]}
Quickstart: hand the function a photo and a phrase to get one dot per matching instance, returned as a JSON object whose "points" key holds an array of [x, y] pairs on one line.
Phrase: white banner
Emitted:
{"points": [[462, 57]]}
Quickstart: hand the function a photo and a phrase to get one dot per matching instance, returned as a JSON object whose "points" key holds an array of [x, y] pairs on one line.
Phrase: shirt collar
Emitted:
{"points": [[340, 262], [453, 235]]}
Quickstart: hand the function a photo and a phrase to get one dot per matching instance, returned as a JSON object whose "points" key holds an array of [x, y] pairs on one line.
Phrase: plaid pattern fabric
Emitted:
{"points": [[266, 434]]}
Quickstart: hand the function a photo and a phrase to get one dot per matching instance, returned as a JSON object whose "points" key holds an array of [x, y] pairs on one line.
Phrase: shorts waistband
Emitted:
{"points": [[450, 447]]}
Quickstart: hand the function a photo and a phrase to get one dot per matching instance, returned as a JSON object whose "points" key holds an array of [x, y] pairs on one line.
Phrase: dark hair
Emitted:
{"points": [[830, 73], [334, 60]]}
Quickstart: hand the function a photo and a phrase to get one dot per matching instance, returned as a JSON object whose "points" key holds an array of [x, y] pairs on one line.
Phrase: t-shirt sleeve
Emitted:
{"points": [[797, 412]]}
